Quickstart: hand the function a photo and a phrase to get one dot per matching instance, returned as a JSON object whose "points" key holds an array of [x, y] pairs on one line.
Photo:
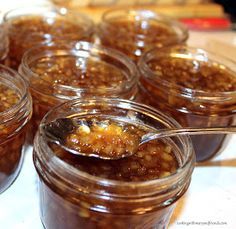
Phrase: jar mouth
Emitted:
{"points": [[83, 50], [148, 17], [192, 53], [14, 81], [132, 108], [48, 11]]}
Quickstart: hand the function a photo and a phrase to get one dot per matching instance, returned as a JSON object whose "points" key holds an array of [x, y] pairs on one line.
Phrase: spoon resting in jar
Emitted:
{"points": [[102, 139]]}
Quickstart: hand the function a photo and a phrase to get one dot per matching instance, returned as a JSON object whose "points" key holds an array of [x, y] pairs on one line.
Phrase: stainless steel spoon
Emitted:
{"points": [[57, 131]]}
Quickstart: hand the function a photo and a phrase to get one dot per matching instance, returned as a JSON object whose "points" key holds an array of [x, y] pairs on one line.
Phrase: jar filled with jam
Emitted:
{"points": [[30, 26], [60, 72], [3, 44], [196, 87], [15, 112], [134, 31], [139, 191]]}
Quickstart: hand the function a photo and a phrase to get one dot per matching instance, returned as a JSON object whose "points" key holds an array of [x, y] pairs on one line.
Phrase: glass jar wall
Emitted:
{"points": [[29, 26], [15, 113], [3, 44], [62, 71], [196, 87], [80, 192], [135, 31]]}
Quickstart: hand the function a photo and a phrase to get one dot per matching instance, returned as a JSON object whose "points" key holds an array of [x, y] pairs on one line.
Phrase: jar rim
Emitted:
{"points": [[187, 92], [49, 10], [11, 112], [146, 14], [184, 170], [72, 48]]}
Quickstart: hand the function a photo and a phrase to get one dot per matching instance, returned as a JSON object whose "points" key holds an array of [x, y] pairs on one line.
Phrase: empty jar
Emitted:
{"points": [[196, 87], [133, 192]]}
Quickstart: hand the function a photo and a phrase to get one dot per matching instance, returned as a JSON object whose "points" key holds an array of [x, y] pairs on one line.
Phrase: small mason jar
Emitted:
{"points": [[196, 87], [134, 31], [64, 71], [73, 198], [15, 113], [3, 44], [29, 26]]}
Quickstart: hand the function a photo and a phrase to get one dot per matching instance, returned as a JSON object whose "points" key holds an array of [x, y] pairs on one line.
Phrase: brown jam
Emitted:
{"points": [[11, 140], [191, 91], [106, 139], [135, 36], [209, 77], [85, 75], [71, 71], [151, 160], [8, 98], [28, 31], [139, 191]]}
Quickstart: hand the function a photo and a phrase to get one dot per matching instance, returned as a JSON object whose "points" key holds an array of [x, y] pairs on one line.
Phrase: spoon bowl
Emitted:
{"points": [[57, 131]]}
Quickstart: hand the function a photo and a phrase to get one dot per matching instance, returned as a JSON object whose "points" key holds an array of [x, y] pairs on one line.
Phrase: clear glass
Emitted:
{"points": [[13, 127], [70, 198], [190, 107], [29, 26], [136, 31], [3, 44], [46, 93]]}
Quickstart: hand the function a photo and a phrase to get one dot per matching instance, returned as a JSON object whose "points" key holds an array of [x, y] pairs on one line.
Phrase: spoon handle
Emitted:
{"points": [[188, 130]]}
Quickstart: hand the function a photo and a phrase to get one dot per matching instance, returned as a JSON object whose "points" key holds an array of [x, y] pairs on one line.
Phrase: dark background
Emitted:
{"points": [[229, 7]]}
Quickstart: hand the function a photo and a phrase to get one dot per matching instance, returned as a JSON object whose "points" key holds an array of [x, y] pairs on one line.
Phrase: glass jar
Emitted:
{"points": [[15, 112], [3, 44], [60, 72], [135, 31], [29, 26], [193, 86], [72, 198]]}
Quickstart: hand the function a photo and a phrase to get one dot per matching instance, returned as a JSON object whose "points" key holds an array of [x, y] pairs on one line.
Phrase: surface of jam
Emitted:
{"points": [[76, 72], [134, 37], [197, 75]]}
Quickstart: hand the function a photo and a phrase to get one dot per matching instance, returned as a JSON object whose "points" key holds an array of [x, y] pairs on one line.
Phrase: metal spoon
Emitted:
{"points": [[57, 131]]}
